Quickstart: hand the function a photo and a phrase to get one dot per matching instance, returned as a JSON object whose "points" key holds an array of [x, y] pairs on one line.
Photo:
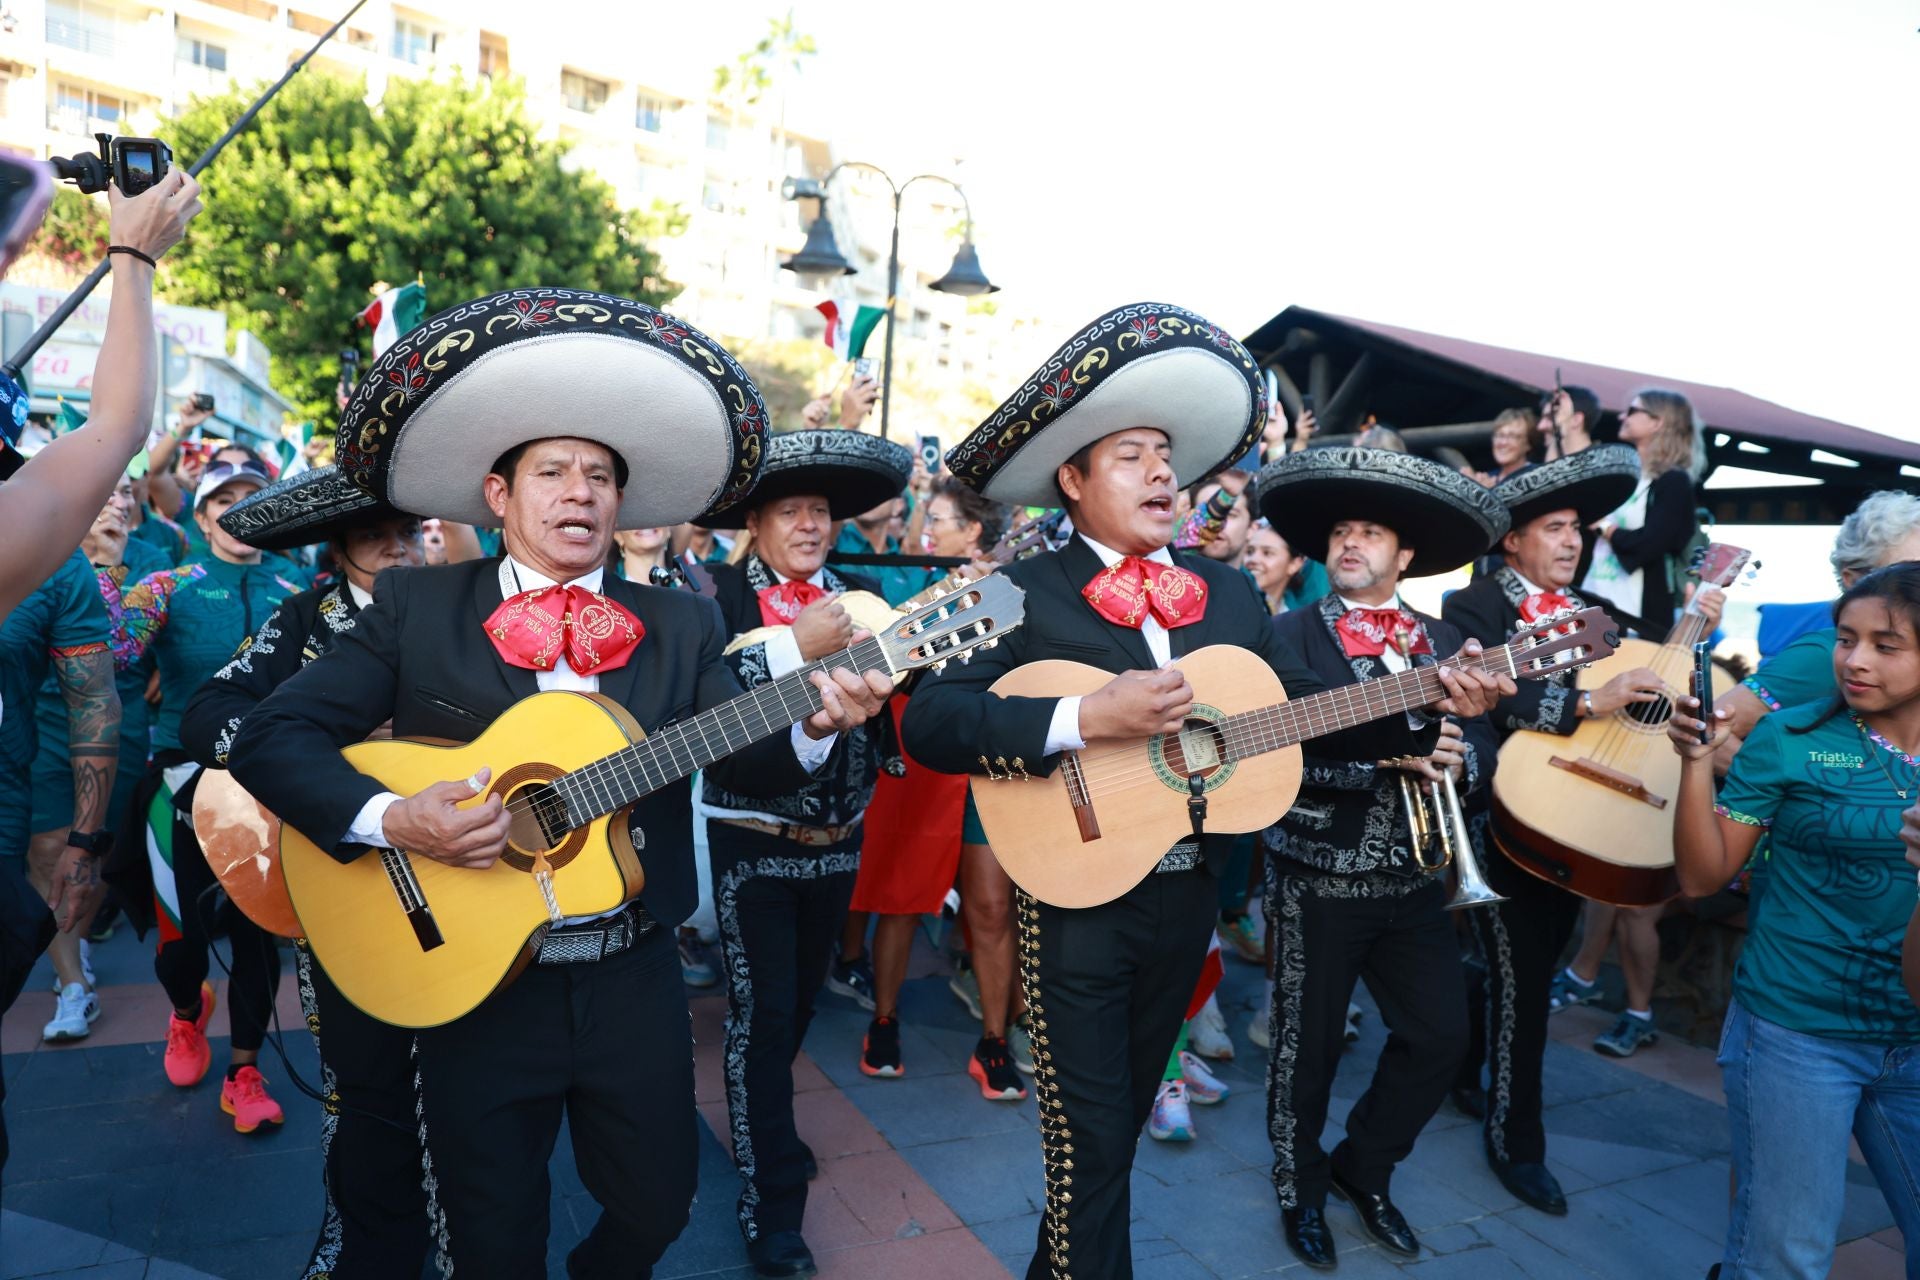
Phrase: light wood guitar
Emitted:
{"points": [[419, 943], [1591, 812], [1103, 819]]}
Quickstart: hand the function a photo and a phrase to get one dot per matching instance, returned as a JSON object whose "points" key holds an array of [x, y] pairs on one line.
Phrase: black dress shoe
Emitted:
{"points": [[1379, 1218], [1309, 1237], [781, 1253], [1471, 1102], [1532, 1184]]}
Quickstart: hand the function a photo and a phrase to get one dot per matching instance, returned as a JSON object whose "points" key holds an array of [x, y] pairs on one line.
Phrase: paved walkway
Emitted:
{"points": [[117, 1176]]}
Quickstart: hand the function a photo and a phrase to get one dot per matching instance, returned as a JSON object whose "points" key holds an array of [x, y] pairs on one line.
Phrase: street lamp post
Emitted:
{"points": [[820, 257]]}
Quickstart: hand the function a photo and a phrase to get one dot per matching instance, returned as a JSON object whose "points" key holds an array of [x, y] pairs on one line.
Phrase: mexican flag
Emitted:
{"points": [[395, 313], [849, 327]]}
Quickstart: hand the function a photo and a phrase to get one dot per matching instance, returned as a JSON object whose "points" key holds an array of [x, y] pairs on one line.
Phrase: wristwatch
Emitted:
{"points": [[96, 843]]}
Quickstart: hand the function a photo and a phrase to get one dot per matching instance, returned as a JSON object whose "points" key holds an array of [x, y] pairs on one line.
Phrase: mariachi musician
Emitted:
{"points": [[660, 424], [1350, 891], [374, 1220], [1521, 939], [783, 866], [1145, 399]]}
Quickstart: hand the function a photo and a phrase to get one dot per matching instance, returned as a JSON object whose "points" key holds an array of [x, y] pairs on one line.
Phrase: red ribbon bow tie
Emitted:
{"points": [[1368, 633], [532, 629], [1541, 603], [780, 605], [1128, 590]]}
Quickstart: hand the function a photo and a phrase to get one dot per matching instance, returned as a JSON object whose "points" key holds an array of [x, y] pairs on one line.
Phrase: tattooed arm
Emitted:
{"points": [[85, 675]]}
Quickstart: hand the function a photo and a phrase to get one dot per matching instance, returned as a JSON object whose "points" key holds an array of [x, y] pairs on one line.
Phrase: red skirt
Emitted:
{"points": [[910, 849]]}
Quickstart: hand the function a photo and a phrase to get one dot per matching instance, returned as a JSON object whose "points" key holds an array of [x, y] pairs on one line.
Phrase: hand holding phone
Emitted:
{"points": [[1702, 687]]}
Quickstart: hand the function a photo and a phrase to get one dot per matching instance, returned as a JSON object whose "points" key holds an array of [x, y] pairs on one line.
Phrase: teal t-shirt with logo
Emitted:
{"points": [[1801, 672], [1823, 959]]}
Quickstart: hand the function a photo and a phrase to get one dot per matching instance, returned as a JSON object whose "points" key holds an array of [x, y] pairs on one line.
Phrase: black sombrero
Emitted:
{"points": [[1592, 482], [1145, 365], [1446, 518], [444, 402], [854, 472], [312, 506]]}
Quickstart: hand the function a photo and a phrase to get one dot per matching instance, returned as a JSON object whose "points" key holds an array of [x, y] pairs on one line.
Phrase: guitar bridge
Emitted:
{"points": [[1612, 779], [406, 887], [1079, 797]]}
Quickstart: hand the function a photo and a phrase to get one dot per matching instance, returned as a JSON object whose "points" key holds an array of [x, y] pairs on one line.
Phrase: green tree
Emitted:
{"points": [[75, 231], [324, 195]]}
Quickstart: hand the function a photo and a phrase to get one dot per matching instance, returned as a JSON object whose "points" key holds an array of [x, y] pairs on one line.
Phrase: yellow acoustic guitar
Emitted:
{"points": [[418, 943], [1590, 812], [1098, 824]]}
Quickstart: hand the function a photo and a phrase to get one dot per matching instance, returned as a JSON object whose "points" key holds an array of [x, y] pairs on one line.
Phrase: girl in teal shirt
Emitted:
{"points": [[1821, 1029]]}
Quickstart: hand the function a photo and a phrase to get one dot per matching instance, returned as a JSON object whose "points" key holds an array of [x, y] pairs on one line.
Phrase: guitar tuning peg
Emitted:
{"points": [[940, 665], [988, 644]]}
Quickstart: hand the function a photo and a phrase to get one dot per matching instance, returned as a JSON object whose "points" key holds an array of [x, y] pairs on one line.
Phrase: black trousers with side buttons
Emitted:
{"points": [[609, 1045], [1107, 988]]}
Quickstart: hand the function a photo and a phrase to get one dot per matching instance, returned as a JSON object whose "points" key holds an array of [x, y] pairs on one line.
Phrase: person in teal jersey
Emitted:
{"points": [[116, 561], [1821, 1038], [191, 619], [866, 534]]}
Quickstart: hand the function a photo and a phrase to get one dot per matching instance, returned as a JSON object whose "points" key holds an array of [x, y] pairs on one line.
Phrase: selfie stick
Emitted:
{"points": [[18, 360]]}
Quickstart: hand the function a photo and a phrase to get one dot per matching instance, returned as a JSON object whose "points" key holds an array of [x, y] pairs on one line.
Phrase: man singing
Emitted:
{"points": [[466, 416], [1347, 895], [1147, 397]]}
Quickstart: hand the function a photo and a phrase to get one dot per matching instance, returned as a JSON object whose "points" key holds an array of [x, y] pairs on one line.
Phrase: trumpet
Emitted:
{"points": [[1440, 838]]}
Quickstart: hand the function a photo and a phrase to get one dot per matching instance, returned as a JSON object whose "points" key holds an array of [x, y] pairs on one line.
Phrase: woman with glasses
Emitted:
{"points": [[1635, 554], [1822, 1039], [192, 619]]}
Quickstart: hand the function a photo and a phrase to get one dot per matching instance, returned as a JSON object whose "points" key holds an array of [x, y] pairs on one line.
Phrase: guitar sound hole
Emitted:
{"points": [[1651, 715], [1199, 747]]}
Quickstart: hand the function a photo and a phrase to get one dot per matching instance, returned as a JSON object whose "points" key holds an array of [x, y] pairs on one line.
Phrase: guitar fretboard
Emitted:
{"points": [[677, 750]]}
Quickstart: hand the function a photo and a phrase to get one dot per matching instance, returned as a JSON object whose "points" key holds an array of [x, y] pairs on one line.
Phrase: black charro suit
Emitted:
{"points": [[1107, 985], [608, 1040]]}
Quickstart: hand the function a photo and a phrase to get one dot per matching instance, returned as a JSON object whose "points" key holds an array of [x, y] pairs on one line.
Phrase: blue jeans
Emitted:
{"points": [[1792, 1100]]}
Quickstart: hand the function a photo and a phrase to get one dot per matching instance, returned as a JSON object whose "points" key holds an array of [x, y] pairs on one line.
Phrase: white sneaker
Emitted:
{"points": [[73, 1014], [1204, 1089], [1354, 1014], [1207, 1033], [1171, 1121], [1257, 1029]]}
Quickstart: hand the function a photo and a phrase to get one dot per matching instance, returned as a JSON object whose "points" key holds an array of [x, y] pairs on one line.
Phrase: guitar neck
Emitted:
{"points": [[675, 751], [1284, 724]]}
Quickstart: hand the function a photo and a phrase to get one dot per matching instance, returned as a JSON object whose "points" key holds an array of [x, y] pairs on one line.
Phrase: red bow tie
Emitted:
{"points": [[1541, 603], [1368, 633], [534, 628], [1128, 590], [780, 605]]}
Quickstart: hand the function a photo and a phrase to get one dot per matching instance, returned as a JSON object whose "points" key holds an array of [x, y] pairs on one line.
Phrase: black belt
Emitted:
{"points": [[580, 944]]}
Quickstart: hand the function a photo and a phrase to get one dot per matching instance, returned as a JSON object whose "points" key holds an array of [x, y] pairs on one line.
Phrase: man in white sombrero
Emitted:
{"points": [[1147, 398], [558, 415]]}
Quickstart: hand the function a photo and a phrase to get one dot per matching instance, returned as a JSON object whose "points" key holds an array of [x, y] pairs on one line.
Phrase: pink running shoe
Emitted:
{"points": [[245, 1098], [188, 1054]]}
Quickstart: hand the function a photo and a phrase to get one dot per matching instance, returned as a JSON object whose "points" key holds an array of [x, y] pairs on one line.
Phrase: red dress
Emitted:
{"points": [[911, 846]]}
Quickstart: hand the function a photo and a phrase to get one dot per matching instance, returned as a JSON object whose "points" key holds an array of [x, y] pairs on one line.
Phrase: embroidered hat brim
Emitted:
{"points": [[1592, 482], [444, 402], [853, 471], [1446, 518], [313, 506], [1144, 365]]}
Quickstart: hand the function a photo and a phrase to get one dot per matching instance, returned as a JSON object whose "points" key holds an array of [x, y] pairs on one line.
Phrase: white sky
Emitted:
{"points": [[1724, 192]]}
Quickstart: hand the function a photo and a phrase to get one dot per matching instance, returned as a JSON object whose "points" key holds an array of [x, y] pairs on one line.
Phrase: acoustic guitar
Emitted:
{"points": [[1591, 812], [1100, 822], [418, 943]]}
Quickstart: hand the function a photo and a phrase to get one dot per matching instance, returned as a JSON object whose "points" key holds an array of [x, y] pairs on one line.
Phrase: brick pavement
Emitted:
{"points": [[117, 1176]]}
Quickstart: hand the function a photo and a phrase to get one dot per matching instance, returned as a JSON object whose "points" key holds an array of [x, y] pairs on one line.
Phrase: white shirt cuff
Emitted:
{"points": [[810, 752], [1063, 733], [369, 827], [783, 654]]}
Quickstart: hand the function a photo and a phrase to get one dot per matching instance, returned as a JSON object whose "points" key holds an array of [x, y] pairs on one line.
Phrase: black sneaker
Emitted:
{"points": [[880, 1049], [853, 979], [992, 1069]]}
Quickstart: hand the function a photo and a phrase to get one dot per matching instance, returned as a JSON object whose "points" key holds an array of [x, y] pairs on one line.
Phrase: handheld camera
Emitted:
{"points": [[131, 164], [1703, 687]]}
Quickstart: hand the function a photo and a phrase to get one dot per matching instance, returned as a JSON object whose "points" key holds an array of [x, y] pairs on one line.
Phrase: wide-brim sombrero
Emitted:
{"points": [[312, 506], [440, 405], [853, 471], [1444, 517], [1593, 482], [1145, 365]]}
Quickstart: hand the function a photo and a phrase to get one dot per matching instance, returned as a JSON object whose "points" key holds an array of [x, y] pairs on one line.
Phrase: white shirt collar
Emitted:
{"points": [[1109, 557], [526, 579], [361, 599], [1355, 604], [1532, 589]]}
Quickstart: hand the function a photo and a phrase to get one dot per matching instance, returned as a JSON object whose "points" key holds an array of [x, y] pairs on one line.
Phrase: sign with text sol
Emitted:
{"points": [[197, 329]]}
